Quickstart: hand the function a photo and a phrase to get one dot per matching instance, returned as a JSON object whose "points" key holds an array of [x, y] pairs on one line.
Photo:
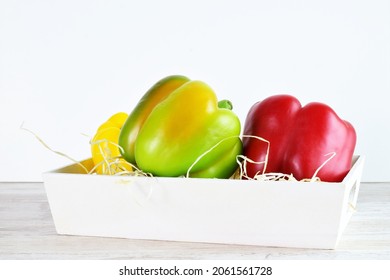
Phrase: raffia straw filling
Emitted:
{"points": [[114, 165], [110, 165], [54, 151], [241, 172]]}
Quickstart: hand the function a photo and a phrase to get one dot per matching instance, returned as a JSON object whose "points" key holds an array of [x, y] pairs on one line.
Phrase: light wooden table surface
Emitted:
{"points": [[27, 232]]}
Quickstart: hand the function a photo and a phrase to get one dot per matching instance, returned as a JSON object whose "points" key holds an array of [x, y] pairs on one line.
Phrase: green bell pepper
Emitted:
{"points": [[158, 92], [179, 128], [183, 127]]}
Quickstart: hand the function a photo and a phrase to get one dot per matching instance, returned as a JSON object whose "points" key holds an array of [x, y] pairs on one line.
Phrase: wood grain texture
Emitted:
{"points": [[27, 232]]}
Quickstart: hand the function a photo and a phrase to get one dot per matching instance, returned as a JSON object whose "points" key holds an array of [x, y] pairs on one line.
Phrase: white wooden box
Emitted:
{"points": [[284, 214]]}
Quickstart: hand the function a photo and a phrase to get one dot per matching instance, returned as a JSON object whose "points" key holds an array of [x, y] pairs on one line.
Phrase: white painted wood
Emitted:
{"points": [[63, 75], [27, 232], [202, 210]]}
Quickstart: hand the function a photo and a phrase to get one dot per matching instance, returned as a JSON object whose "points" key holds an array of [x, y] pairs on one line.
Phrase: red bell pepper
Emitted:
{"points": [[300, 139]]}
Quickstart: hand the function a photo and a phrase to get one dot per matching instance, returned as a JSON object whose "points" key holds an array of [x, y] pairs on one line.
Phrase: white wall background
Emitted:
{"points": [[66, 66]]}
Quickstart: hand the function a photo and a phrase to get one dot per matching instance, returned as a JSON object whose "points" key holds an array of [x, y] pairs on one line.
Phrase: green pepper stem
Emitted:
{"points": [[225, 104]]}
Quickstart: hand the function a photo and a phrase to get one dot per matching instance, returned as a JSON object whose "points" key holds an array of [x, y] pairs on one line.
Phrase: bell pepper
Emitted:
{"points": [[189, 132], [104, 146], [145, 106], [301, 139]]}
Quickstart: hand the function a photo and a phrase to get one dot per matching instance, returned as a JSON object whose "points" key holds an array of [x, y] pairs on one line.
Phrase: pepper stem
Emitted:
{"points": [[225, 104]]}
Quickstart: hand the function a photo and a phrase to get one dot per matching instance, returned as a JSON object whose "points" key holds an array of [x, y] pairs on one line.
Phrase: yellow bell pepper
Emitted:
{"points": [[105, 151]]}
